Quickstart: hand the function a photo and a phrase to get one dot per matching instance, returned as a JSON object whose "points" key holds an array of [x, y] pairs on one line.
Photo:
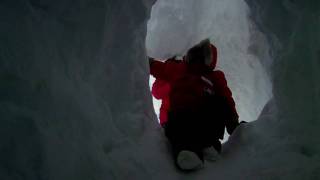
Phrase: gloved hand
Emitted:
{"points": [[172, 58], [232, 125]]}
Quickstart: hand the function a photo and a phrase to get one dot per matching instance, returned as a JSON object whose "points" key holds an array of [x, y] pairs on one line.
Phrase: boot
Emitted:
{"points": [[211, 154], [188, 160]]}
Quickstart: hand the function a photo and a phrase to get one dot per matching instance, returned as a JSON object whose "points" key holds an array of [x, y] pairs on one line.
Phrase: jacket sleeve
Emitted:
{"points": [[157, 69], [163, 70], [223, 90], [160, 89]]}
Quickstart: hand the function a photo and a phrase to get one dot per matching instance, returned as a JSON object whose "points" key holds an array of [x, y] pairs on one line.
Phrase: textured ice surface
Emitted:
{"points": [[75, 102]]}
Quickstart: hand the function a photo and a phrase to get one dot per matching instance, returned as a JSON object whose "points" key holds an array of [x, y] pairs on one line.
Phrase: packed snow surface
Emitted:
{"points": [[75, 102]]}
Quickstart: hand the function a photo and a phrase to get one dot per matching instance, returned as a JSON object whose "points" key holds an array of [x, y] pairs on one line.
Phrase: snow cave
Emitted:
{"points": [[75, 101]]}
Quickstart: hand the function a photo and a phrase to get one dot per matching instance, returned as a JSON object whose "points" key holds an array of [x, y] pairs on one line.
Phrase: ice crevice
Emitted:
{"points": [[75, 101]]}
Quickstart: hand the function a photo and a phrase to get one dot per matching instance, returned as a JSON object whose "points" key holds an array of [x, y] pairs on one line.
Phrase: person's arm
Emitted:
{"points": [[160, 89], [222, 89], [163, 70], [157, 68]]}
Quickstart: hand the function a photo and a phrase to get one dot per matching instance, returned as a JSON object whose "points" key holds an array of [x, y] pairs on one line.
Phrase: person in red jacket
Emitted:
{"points": [[201, 104]]}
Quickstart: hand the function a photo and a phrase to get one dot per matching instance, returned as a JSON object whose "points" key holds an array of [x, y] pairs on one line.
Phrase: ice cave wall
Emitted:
{"points": [[292, 28], [74, 101]]}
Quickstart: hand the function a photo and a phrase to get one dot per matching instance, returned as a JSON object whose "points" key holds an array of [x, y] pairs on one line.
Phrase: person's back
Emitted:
{"points": [[188, 80], [201, 104]]}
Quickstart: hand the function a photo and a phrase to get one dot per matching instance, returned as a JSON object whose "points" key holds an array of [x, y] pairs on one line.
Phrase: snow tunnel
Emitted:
{"points": [[75, 102]]}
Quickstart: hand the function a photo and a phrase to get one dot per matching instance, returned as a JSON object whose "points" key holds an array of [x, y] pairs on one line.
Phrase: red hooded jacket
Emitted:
{"points": [[171, 71]]}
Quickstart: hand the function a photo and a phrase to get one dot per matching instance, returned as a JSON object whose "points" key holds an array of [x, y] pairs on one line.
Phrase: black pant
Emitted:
{"points": [[196, 129]]}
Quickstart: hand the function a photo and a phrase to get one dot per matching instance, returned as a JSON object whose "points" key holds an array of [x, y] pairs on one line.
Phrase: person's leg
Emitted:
{"points": [[173, 134], [183, 142], [213, 129], [211, 146], [212, 153], [217, 145]]}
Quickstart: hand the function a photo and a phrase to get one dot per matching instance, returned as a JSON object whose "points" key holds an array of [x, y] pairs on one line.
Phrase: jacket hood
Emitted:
{"points": [[214, 56], [205, 51]]}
